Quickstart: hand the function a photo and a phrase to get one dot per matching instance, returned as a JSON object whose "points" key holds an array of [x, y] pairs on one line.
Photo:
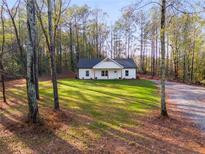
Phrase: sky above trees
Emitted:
{"points": [[112, 7]]}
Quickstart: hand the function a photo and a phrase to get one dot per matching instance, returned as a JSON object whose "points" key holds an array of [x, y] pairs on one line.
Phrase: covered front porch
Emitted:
{"points": [[107, 74]]}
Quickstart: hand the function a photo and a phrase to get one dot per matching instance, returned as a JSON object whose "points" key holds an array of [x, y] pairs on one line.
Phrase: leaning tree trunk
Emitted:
{"points": [[52, 56], [163, 71], [31, 23]]}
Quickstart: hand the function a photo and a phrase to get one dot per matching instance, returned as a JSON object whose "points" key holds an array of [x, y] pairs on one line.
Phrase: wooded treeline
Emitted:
{"points": [[184, 41], [49, 37], [184, 47], [83, 32], [78, 32]]}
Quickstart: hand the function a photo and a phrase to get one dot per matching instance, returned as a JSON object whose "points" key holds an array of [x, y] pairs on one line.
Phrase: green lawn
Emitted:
{"points": [[96, 108], [109, 103]]}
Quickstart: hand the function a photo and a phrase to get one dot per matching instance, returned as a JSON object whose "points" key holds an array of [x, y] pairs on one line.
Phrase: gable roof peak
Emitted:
{"points": [[109, 59]]}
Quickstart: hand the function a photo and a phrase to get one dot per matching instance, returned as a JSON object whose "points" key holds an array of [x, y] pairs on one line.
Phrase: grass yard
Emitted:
{"points": [[116, 116]]}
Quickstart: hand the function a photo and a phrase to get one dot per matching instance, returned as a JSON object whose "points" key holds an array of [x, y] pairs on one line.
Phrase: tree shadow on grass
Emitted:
{"points": [[108, 122], [140, 83], [145, 101], [98, 115], [101, 106], [116, 84]]}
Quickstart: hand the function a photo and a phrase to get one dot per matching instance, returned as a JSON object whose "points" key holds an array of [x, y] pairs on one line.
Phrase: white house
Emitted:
{"points": [[107, 69]]}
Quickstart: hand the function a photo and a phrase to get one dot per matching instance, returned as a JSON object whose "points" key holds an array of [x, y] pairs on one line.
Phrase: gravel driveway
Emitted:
{"points": [[189, 99]]}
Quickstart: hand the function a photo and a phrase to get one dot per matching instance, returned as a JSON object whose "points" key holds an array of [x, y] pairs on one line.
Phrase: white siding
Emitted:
{"points": [[82, 74], [115, 74], [98, 75], [132, 74], [112, 74]]}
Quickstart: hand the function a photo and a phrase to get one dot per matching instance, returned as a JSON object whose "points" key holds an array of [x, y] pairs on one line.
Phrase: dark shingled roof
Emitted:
{"points": [[126, 63], [89, 63]]}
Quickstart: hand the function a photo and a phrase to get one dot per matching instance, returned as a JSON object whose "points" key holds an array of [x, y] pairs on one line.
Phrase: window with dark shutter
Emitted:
{"points": [[126, 73], [104, 73], [87, 73]]}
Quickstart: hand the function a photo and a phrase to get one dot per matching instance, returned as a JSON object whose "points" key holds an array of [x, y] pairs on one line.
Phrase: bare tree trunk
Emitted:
{"points": [[60, 49], [84, 39], [71, 48], [192, 60], [153, 58], [156, 52], [33, 114], [35, 61], [141, 50], [77, 42], [1, 56], [96, 36], [175, 65], [143, 55], [111, 42], [128, 46], [163, 70], [167, 58], [184, 67], [3, 80], [52, 56]]}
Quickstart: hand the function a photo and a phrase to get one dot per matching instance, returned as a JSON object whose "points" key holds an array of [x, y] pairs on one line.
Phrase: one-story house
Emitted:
{"points": [[107, 69]]}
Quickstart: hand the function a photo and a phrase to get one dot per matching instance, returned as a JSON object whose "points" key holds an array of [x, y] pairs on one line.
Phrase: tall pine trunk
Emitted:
{"points": [[163, 71], [52, 55], [96, 36], [60, 50], [36, 65], [141, 49], [31, 23], [71, 48], [167, 58], [192, 60], [153, 57], [156, 51], [1, 56], [3, 80], [77, 43]]}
